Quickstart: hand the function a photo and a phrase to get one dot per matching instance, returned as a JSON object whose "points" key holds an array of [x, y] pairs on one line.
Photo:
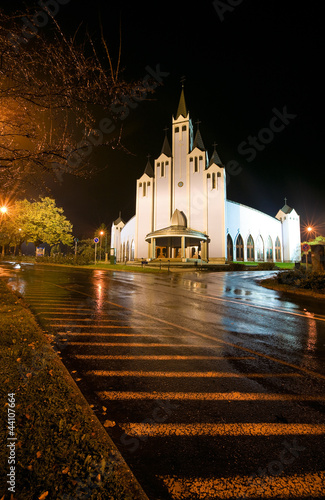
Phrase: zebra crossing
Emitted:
{"points": [[190, 424]]}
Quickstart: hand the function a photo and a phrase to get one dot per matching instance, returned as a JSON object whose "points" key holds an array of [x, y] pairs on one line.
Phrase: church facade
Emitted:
{"points": [[182, 210]]}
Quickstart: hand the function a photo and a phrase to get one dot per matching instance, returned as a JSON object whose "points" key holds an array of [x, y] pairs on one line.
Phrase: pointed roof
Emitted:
{"points": [[166, 148], [286, 209], [118, 220], [181, 110], [178, 219], [215, 158], [148, 170], [198, 141]]}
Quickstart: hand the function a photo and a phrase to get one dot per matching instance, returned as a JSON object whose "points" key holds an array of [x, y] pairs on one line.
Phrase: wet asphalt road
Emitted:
{"points": [[210, 385]]}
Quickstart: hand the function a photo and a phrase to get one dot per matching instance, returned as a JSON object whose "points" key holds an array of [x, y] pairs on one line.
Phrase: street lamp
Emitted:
{"points": [[3, 211], [310, 230], [100, 244]]}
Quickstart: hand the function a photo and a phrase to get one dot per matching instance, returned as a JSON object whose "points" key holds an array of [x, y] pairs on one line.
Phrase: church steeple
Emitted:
{"points": [[198, 141], [149, 170], [166, 148], [215, 158], [181, 110]]}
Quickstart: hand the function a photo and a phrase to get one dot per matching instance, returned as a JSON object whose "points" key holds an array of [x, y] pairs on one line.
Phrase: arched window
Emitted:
{"points": [[127, 255], [250, 248], [132, 250], [269, 250], [239, 248], [260, 249], [230, 249], [277, 249]]}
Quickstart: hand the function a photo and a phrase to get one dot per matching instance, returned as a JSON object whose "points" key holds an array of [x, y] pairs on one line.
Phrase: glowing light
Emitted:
{"points": [[4, 209]]}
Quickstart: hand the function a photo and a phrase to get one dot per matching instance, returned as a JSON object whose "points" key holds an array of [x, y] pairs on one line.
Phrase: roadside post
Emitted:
{"points": [[75, 247], [96, 240], [305, 248]]}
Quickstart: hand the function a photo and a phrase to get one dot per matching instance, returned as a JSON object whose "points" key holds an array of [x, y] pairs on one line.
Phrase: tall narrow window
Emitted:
{"points": [[239, 248], [250, 248], [144, 192], [269, 250], [277, 249], [213, 180], [230, 248], [196, 166], [260, 248], [162, 170]]}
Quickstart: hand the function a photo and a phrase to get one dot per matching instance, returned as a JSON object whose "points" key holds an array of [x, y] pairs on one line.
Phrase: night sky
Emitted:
{"points": [[261, 59]]}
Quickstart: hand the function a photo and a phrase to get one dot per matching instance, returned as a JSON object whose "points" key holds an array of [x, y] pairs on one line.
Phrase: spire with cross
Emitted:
{"points": [[181, 110], [215, 157], [148, 170], [166, 147]]}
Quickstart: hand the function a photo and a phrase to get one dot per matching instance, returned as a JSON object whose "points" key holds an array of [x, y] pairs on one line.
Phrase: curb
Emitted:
{"points": [[127, 477]]}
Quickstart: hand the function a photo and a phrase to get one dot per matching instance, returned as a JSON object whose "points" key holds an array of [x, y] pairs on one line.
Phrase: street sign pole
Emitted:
{"points": [[96, 240], [305, 249]]}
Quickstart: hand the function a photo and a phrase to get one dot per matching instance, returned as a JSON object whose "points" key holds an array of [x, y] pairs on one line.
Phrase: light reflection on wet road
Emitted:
{"points": [[201, 376]]}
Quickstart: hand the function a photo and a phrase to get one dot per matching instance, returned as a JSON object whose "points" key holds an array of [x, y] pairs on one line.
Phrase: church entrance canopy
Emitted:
{"points": [[174, 240]]}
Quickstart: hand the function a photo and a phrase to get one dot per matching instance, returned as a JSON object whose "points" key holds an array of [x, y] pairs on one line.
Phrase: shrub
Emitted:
{"points": [[303, 279], [266, 266], [235, 266]]}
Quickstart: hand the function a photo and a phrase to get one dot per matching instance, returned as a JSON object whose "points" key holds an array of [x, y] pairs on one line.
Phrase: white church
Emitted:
{"points": [[182, 211]]}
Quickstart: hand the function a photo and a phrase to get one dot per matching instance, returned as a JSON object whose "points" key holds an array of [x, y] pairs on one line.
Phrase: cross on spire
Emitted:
{"points": [[166, 130], [148, 156], [197, 123], [285, 201], [214, 145], [183, 80]]}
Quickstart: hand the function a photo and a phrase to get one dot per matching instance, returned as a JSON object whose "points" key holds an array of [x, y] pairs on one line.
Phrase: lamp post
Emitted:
{"points": [[100, 244], [106, 254], [3, 211]]}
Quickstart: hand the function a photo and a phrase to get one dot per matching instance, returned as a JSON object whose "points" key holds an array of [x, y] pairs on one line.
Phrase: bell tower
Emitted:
{"points": [[182, 139]]}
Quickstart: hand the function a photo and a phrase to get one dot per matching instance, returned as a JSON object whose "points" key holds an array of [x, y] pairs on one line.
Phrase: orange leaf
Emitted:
{"points": [[109, 423], [43, 495], [38, 454], [66, 470]]}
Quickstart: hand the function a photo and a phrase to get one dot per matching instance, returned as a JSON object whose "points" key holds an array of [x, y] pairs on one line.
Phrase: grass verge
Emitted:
{"points": [[61, 451], [298, 281]]}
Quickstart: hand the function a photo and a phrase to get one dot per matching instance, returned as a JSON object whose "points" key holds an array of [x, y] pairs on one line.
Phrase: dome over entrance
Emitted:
{"points": [[178, 219]]}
